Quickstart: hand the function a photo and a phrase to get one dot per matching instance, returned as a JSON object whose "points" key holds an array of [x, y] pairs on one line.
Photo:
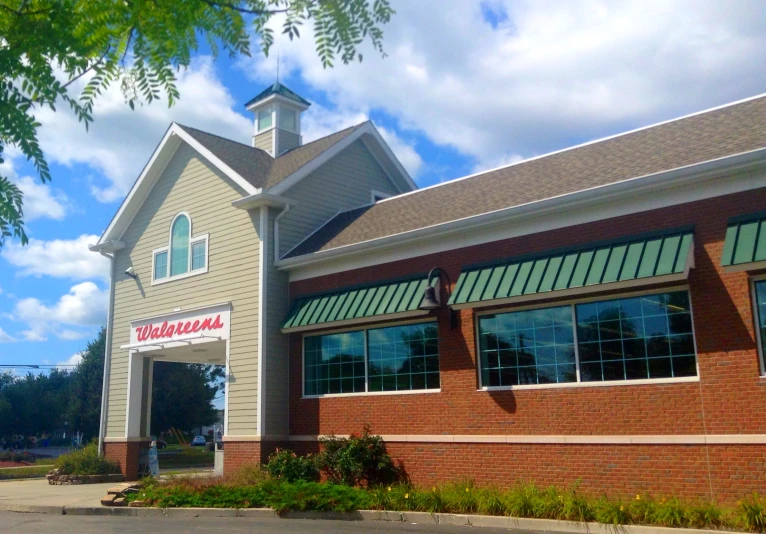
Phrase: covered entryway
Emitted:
{"points": [[195, 336]]}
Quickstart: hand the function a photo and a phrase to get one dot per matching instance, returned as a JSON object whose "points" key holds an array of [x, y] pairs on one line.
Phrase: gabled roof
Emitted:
{"points": [[726, 131], [252, 169], [281, 90]]}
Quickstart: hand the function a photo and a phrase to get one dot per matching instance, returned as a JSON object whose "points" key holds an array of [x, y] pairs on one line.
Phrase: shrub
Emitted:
{"points": [[287, 466], [360, 459], [85, 461]]}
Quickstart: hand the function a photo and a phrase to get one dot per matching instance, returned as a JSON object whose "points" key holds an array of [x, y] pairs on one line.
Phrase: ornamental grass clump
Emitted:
{"points": [[751, 513]]}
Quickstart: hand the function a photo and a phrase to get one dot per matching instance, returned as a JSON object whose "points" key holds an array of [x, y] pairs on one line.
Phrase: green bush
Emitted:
{"points": [[85, 461], [359, 459], [285, 465]]}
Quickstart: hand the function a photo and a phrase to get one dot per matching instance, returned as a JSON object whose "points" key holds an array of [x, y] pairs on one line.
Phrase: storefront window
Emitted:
{"points": [[760, 313], [644, 337], [634, 338], [395, 358], [403, 357], [527, 347]]}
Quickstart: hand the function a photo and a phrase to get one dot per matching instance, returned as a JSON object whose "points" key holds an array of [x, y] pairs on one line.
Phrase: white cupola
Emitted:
{"points": [[277, 112]]}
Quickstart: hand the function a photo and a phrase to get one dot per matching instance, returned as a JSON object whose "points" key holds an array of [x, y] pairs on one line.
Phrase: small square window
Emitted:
{"points": [[198, 255], [160, 265], [287, 119]]}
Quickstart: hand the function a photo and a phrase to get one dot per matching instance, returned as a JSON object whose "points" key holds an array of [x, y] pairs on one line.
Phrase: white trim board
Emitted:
{"points": [[367, 129], [731, 175], [153, 171], [670, 439]]}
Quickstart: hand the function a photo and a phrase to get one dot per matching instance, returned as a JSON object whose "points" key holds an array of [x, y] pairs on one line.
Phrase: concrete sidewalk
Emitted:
{"points": [[17, 495]]}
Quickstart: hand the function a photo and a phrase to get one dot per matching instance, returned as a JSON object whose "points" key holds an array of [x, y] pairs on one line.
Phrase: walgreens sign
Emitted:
{"points": [[183, 325]]}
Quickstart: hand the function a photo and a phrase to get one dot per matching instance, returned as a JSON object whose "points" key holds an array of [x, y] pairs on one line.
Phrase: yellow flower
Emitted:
{"points": [[638, 497], [406, 495], [622, 508], [433, 489], [389, 488], [466, 490]]}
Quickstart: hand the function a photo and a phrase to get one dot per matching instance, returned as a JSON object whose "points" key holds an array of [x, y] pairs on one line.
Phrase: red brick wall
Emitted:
{"points": [[127, 455], [240, 453], [734, 395]]}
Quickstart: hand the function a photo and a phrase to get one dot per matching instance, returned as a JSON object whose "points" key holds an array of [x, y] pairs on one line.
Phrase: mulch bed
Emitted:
{"points": [[14, 464]]}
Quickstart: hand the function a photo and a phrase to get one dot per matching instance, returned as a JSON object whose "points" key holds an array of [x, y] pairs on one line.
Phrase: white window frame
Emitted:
{"points": [[192, 240], [366, 362], [267, 110], [280, 110], [756, 323], [572, 303]]}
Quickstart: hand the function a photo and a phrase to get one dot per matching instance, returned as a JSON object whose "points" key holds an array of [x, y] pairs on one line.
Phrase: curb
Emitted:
{"points": [[516, 523]]}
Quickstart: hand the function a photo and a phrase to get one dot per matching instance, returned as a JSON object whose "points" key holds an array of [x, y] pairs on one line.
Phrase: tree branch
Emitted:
{"points": [[225, 5], [90, 67], [20, 13]]}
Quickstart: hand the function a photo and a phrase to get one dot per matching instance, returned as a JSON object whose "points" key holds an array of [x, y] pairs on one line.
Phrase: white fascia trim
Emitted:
{"points": [[375, 134], [261, 199], [644, 184], [276, 98], [107, 246], [365, 129], [360, 320], [152, 172]]}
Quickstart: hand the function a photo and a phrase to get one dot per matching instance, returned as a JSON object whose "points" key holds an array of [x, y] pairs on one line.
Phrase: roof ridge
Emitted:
{"points": [[325, 137], [221, 137], [575, 147]]}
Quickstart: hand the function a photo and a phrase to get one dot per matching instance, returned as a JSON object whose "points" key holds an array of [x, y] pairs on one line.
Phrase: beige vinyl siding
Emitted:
{"points": [[344, 182], [287, 141], [190, 184], [264, 141], [276, 357]]}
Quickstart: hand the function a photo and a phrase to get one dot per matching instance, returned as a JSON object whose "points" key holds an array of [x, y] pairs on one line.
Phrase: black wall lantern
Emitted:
{"points": [[430, 300]]}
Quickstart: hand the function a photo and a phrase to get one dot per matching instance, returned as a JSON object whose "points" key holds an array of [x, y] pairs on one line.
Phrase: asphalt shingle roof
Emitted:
{"points": [[718, 133], [257, 166]]}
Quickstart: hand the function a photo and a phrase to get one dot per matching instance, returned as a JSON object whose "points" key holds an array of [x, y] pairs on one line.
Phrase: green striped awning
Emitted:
{"points": [[358, 304], [745, 240], [598, 263]]}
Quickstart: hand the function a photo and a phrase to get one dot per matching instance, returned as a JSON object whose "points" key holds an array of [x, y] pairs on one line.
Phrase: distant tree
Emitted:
{"points": [[84, 412], [182, 397]]}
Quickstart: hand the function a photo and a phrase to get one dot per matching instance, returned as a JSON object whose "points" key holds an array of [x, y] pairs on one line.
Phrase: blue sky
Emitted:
{"points": [[466, 86]]}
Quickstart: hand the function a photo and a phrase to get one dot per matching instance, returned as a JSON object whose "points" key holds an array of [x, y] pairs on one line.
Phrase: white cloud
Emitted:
{"points": [[120, 141], [404, 152], [84, 305], [493, 163], [545, 74], [74, 359], [41, 200], [72, 335], [5, 337], [60, 258]]}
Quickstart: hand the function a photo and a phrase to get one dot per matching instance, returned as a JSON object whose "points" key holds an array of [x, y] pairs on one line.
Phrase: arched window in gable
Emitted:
{"points": [[184, 256]]}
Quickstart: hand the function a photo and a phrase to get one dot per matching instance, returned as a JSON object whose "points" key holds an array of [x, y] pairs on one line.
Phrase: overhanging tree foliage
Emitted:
{"points": [[47, 45]]}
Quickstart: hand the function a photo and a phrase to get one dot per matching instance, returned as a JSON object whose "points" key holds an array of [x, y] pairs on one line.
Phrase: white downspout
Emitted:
{"points": [[276, 231], [107, 354]]}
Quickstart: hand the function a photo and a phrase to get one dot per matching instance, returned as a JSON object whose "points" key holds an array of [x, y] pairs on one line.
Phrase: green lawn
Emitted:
{"points": [[12, 473], [177, 457]]}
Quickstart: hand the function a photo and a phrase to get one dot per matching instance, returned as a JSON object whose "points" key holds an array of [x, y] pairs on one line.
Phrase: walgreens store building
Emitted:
{"points": [[595, 314]]}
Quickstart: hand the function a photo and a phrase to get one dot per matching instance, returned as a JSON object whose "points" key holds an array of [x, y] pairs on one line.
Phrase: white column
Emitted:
{"points": [[133, 404]]}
